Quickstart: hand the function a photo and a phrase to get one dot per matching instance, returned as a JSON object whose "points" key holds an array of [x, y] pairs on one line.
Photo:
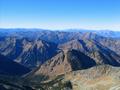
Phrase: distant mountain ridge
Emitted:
{"points": [[104, 33], [93, 49], [33, 47], [30, 53], [59, 60]]}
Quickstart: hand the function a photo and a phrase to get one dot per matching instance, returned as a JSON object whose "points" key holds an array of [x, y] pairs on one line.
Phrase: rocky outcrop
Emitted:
{"points": [[65, 62], [103, 77]]}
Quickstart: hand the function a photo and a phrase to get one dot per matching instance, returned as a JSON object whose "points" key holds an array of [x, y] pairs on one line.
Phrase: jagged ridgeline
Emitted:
{"points": [[36, 59]]}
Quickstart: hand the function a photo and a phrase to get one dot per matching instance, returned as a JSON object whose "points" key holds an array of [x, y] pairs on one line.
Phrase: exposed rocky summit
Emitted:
{"points": [[103, 77], [65, 62]]}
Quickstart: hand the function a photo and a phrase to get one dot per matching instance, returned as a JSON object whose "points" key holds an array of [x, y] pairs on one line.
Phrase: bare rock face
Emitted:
{"points": [[65, 62], [78, 55], [110, 43], [36, 53], [103, 77], [93, 49], [30, 53]]}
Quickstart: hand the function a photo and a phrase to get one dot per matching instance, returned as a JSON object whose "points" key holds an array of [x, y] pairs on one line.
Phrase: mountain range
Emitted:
{"points": [[44, 58]]}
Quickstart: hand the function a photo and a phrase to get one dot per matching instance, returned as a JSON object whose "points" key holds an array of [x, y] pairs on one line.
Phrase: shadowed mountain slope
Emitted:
{"points": [[30, 53], [11, 68], [65, 62], [93, 49]]}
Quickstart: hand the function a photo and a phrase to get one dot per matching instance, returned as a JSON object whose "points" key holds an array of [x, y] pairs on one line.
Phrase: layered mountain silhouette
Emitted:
{"points": [[30, 53], [45, 59], [95, 50], [77, 55]]}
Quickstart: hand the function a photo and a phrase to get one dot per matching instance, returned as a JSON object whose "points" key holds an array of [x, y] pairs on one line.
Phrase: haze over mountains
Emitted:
{"points": [[44, 58]]}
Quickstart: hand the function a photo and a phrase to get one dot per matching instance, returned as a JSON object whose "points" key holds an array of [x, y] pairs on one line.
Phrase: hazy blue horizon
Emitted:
{"points": [[60, 14], [74, 29]]}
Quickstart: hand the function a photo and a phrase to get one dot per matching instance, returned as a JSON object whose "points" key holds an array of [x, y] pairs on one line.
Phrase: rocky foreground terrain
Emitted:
{"points": [[103, 77], [59, 60]]}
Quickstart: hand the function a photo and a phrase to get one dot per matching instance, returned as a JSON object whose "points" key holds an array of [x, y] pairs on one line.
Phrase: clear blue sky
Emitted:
{"points": [[60, 14]]}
